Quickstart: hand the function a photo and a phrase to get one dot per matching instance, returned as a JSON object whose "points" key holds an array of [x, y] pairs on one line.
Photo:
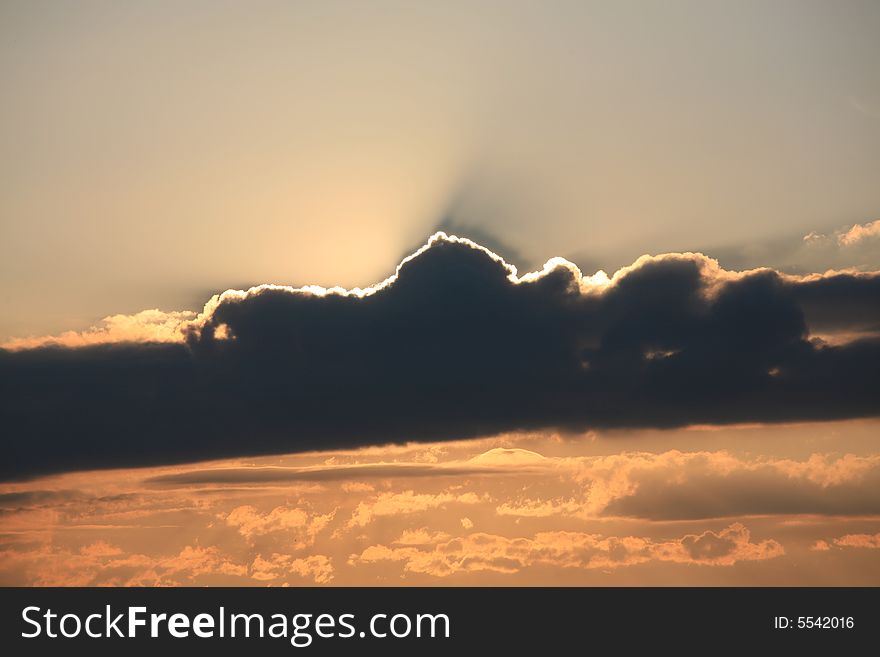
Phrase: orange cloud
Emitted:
{"points": [[684, 485], [563, 549], [250, 523], [102, 563], [393, 504], [870, 541], [146, 326], [317, 567], [859, 233], [421, 536], [100, 549]]}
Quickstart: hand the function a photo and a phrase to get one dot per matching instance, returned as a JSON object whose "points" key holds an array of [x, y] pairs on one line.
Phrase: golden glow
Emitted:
{"points": [[158, 326], [676, 507]]}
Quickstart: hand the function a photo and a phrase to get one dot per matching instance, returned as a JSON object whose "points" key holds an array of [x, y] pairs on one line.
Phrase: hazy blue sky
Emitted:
{"points": [[153, 152]]}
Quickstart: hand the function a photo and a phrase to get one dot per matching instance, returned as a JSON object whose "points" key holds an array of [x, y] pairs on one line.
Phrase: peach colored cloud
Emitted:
{"points": [[537, 508], [317, 567], [393, 504], [101, 563], [303, 526], [595, 513], [357, 487], [421, 536], [869, 541], [100, 549], [563, 549], [687, 485], [146, 326], [859, 233]]}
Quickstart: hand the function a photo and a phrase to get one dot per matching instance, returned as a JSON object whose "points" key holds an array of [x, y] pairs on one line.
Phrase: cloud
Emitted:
{"points": [[540, 508], [454, 345], [868, 541], [856, 234], [856, 246], [406, 502], [509, 457], [676, 485], [303, 526], [100, 549], [357, 487], [860, 541], [704, 485], [146, 326], [421, 536], [317, 567], [106, 564], [563, 549]]}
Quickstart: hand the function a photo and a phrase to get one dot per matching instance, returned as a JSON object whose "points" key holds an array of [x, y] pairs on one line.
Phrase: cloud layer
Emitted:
{"points": [[489, 552], [627, 517], [454, 345]]}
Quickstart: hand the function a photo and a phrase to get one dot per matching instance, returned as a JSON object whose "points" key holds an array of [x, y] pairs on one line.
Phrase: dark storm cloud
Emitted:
{"points": [[451, 348], [840, 302]]}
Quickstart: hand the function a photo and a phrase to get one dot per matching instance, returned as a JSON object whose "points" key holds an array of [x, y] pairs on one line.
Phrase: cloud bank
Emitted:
{"points": [[454, 345], [563, 549]]}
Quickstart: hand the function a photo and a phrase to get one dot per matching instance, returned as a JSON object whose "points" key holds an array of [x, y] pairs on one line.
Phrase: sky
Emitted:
{"points": [[329, 293], [152, 154]]}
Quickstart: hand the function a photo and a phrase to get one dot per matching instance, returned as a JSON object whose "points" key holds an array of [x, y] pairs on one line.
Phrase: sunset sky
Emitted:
{"points": [[461, 293]]}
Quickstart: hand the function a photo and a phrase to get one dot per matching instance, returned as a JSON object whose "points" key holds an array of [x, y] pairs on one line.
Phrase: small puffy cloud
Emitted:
{"points": [[406, 502], [302, 525], [856, 246], [357, 487], [869, 541], [100, 549], [728, 546], [146, 326], [846, 237], [862, 541], [536, 508], [250, 522], [467, 523], [421, 536], [859, 233], [196, 560], [317, 567]]}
